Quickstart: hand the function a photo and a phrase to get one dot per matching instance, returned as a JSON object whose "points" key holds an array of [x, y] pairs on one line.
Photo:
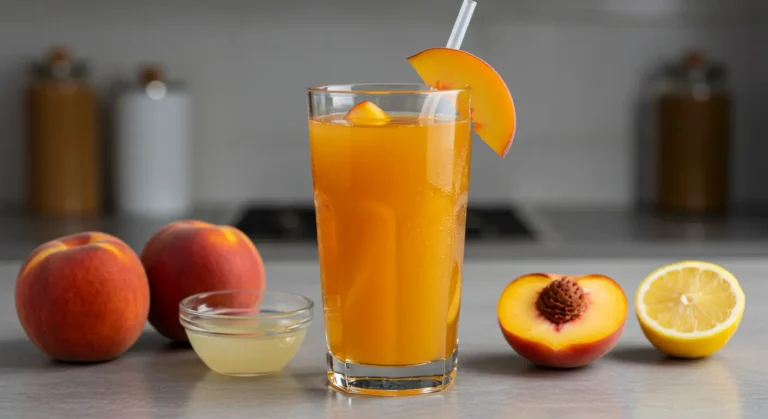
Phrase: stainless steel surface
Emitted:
{"points": [[561, 232], [21, 233], [296, 223], [622, 224], [633, 381]]}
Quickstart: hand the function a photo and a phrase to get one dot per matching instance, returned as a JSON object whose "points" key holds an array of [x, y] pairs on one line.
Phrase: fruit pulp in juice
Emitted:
{"points": [[391, 210]]}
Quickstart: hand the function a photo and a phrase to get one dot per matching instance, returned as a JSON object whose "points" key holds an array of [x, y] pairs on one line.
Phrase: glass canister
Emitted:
{"points": [[63, 149], [692, 107]]}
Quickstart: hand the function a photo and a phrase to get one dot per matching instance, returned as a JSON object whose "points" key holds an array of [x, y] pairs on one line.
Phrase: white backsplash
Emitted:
{"points": [[575, 78]]}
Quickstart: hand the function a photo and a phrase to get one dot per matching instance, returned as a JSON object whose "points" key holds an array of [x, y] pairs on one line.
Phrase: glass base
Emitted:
{"points": [[373, 380]]}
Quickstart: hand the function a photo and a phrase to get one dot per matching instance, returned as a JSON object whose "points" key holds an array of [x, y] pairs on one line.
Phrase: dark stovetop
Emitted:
{"points": [[296, 223]]}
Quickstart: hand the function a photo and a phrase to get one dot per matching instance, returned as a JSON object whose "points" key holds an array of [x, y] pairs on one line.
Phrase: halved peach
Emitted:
{"points": [[562, 321], [492, 112], [367, 113]]}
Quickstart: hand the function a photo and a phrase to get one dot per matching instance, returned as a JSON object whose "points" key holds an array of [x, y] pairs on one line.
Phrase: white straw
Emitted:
{"points": [[461, 24], [454, 42]]}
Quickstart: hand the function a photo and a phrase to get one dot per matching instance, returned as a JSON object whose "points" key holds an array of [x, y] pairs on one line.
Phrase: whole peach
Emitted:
{"points": [[190, 257], [82, 297]]}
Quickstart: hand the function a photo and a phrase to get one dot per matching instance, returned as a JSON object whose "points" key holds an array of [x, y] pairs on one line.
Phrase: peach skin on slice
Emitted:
{"points": [[562, 321], [492, 112], [367, 113]]}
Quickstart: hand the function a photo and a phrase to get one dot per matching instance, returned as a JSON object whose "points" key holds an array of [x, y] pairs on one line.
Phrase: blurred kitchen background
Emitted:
{"points": [[641, 123]]}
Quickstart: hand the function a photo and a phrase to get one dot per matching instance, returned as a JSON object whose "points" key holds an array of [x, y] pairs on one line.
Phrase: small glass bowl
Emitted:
{"points": [[246, 332]]}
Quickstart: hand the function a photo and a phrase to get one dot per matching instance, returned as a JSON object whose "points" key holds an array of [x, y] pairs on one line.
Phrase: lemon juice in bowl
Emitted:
{"points": [[245, 348], [245, 332], [390, 170]]}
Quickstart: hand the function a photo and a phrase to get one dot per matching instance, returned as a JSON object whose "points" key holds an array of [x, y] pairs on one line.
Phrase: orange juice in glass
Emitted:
{"points": [[390, 167]]}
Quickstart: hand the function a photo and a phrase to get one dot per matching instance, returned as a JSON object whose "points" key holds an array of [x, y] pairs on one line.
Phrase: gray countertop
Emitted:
{"points": [[633, 381], [563, 232]]}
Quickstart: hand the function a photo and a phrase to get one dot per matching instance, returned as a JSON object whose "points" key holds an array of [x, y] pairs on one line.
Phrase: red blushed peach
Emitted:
{"points": [[83, 297], [562, 321], [190, 257]]}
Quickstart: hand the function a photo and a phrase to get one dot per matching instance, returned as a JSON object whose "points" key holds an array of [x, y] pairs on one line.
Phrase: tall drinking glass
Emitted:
{"points": [[391, 202]]}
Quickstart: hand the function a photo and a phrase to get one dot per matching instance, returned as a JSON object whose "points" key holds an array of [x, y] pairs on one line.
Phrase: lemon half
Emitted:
{"points": [[689, 309]]}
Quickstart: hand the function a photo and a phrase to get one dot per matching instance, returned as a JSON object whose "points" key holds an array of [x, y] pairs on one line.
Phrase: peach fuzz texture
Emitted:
{"points": [[83, 297], [190, 257]]}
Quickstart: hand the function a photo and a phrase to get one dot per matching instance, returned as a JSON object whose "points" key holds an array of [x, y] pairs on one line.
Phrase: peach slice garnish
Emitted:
{"points": [[367, 113], [493, 111], [562, 321]]}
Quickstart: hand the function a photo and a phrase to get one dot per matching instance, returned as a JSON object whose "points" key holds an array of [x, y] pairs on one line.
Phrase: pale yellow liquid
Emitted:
{"points": [[254, 352]]}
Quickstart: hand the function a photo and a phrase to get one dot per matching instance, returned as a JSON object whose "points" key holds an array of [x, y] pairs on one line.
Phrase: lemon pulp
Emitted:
{"points": [[690, 308]]}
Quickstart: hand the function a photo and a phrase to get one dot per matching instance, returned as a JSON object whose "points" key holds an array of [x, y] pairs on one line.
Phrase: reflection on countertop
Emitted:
{"points": [[156, 379], [560, 232]]}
